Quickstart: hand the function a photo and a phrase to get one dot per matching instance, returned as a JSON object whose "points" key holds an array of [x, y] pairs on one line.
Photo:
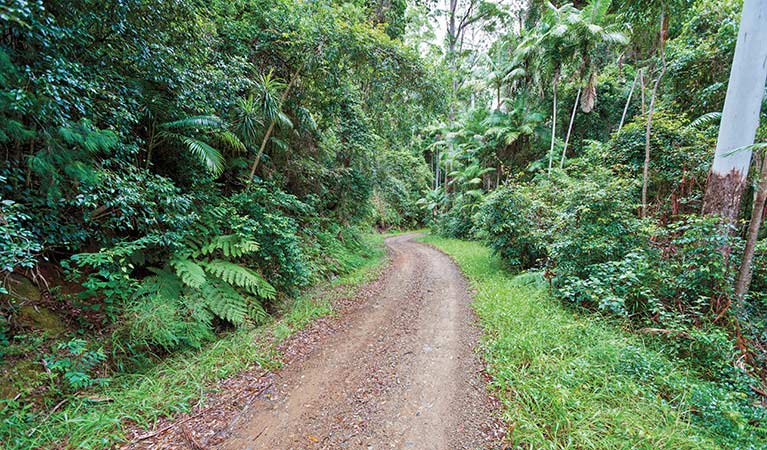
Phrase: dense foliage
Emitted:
{"points": [[573, 118], [174, 170]]}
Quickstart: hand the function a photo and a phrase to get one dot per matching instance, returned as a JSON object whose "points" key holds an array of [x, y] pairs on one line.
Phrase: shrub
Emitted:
{"points": [[511, 221], [458, 220], [680, 159], [593, 223]]}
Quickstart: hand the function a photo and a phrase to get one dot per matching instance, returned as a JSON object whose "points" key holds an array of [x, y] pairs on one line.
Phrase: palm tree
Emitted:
{"points": [[556, 25], [195, 132], [270, 108], [589, 30]]}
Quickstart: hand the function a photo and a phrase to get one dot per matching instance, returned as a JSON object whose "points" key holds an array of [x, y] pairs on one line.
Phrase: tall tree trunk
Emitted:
{"points": [[641, 83], [628, 101], [570, 129], [760, 198], [651, 111], [648, 134], [271, 126], [740, 117], [553, 124]]}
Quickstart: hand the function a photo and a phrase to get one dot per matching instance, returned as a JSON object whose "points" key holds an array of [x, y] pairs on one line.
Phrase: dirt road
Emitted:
{"points": [[402, 374]]}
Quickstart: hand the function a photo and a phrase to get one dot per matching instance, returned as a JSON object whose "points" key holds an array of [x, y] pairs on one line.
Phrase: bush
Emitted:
{"points": [[511, 220], [458, 220], [594, 222], [678, 278], [680, 156]]}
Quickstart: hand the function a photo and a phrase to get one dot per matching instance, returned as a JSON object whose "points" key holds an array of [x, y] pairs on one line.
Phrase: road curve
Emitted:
{"points": [[402, 375]]}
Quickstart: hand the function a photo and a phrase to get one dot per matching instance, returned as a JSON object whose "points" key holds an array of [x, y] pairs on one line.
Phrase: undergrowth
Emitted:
{"points": [[98, 419], [568, 380]]}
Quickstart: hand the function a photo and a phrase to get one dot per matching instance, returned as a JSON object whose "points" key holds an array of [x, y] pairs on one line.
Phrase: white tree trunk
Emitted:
{"points": [[553, 126], [740, 117], [570, 129], [628, 101]]}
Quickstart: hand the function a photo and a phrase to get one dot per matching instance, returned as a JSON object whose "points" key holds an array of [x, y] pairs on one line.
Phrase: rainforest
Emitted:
{"points": [[430, 224]]}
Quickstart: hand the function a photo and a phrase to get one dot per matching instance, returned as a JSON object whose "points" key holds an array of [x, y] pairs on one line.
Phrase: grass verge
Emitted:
{"points": [[571, 381], [178, 383]]}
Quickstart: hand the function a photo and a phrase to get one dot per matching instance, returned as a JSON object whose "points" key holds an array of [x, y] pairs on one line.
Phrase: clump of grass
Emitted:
{"points": [[579, 381], [180, 381]]}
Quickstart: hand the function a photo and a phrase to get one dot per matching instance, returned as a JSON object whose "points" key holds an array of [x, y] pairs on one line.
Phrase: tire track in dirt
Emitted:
{"points": [[401, 375]]}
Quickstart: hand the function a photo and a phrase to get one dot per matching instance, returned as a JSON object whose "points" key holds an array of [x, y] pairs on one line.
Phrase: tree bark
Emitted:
{"points": [[570, 129], [641, 83], [553, 124], [740, 116], [760, 198]]}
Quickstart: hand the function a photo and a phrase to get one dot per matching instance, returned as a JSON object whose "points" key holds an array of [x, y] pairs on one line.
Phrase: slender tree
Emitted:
{"points": [[271, 109], [757, 211], [628, 101], [648, 128]]}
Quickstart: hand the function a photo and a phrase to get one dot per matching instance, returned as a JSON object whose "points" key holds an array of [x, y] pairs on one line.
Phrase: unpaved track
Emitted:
{"points": [[402, 374]]}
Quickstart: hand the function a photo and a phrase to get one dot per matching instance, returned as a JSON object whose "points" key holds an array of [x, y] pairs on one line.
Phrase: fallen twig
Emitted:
{"points": [[183, 421], [674, 333]]}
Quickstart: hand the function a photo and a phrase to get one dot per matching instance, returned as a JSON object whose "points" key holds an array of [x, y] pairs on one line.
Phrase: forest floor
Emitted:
{"points": [[396, 368]]}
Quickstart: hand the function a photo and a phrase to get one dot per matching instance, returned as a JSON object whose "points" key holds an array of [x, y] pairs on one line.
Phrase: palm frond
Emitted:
{"points": [[283, 120], [756, 147], [231, 140], [196, 122], [705, 119], [207, 155]]}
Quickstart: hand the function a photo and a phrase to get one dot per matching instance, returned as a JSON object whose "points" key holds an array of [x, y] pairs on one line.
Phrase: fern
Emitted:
{"points": [[256, 311], [164, 283], [231, 245], [225, 302], [240, 276], [189, 272]]}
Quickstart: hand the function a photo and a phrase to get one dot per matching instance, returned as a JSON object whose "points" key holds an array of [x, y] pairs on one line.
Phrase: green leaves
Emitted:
{"points": [[207, 155], [189, 272], [239, 276], [210, 157]]}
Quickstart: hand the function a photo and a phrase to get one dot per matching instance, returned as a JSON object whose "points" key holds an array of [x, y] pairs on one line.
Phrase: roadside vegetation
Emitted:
{"points": [[571, 379], [179, 382], [596, 148]]}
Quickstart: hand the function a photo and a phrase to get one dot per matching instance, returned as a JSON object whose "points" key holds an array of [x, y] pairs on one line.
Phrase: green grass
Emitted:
{"points": [[570, 380], [181, 381]]}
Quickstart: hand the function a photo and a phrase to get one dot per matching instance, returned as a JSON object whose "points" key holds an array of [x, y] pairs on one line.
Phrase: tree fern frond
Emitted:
{"points": [[190, 272], [256, 311], [231, 245], [164, 283], [225, 302], [240, 276]]}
